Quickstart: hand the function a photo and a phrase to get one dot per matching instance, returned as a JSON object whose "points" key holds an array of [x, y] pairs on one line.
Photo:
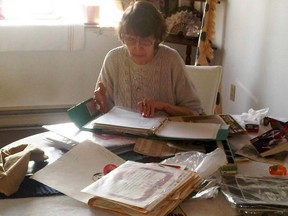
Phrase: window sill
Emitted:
{"points": [[93, 27], [52, 23], [43, 22]]}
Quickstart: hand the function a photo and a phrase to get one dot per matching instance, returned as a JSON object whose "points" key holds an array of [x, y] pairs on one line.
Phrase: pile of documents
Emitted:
{"points": [[130, 188], [142, 189]]}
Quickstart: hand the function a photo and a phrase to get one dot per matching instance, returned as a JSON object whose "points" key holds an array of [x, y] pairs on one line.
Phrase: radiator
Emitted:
{"points": [[15, 118]]}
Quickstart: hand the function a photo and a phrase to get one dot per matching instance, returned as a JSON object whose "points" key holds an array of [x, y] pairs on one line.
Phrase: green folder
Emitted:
{"points": [[83, 112]]}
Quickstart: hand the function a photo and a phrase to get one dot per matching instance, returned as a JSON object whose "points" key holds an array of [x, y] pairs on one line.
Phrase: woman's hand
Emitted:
{"points": [[100, 98], [148, 107]]}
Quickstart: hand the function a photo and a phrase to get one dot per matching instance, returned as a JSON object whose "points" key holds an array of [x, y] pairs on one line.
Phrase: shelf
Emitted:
{"points": [[180, 39], [188, 42]]}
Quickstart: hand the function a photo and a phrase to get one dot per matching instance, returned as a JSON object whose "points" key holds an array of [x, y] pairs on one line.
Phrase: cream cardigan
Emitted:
{"points": [[163, 79]]}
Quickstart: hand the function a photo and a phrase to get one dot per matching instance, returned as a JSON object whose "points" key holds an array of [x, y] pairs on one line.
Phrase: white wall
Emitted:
{"points": [[254, 55], [252, 46], [53, 78]]}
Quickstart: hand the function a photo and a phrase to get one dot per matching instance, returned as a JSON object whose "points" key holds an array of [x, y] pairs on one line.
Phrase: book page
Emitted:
{"points": [[138, 184], [189, 130], [121, 117], [199, 119]]}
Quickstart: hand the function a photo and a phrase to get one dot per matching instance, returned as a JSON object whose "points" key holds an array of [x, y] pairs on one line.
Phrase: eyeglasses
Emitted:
{"points": [[132, 40]]}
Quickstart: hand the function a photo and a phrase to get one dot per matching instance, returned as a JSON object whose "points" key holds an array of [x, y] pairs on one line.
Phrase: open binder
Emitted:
{"points": [[121, 120]]}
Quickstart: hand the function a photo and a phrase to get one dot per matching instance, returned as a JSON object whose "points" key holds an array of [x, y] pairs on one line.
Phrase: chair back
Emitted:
{"points": [[206, 80]]}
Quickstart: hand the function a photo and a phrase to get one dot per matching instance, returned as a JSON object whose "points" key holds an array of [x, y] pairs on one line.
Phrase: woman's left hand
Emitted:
{"points": [[148, 107]]}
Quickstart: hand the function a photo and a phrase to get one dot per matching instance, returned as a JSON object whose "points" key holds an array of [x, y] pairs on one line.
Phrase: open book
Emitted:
{"points": [[272, 142], [124, 121]]}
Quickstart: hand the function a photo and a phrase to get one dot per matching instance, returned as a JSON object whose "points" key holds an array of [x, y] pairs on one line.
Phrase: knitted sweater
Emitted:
{"points": [[163, 79]]}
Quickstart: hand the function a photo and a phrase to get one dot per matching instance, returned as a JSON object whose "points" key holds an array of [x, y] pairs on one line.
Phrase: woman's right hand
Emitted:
{"points": [[100, 98]]}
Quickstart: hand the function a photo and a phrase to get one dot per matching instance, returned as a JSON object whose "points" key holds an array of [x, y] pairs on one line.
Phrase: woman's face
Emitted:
{"points": [[141, 49]]}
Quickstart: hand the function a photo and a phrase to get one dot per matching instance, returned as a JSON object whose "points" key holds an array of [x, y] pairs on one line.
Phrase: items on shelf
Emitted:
{"points": [[186, 23]]}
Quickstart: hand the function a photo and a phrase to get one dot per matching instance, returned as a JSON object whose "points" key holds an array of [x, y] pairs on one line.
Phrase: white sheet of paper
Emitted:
{"points": [[76, 169], [189, 130], [70, 131]]}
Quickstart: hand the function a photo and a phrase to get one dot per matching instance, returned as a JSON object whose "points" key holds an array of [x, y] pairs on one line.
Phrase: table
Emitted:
{"points": [[64, 205]]}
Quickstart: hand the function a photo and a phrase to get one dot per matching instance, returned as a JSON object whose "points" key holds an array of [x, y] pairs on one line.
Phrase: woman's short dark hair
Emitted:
{"points": [[143, 19]]}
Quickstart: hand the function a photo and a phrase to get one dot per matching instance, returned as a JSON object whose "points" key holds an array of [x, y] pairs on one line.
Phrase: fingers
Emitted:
{"points": [[102, 87], [147, 107], [101, 90], [100, 98]]}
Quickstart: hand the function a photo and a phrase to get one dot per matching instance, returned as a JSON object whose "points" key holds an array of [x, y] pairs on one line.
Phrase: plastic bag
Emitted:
{"points": [[254, 116], [203, 164], [256, 195]]}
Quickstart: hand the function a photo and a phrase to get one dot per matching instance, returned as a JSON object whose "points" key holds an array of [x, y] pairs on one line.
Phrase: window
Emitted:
{"points": [[70, 10]]}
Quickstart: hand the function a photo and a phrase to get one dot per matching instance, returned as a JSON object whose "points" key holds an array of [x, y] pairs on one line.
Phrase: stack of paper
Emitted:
{"points": [[131, 188], [122, 120], [142, 189]]}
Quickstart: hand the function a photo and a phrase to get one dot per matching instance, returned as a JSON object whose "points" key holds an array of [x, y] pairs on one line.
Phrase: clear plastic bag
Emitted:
{"points": [[203, 164]]}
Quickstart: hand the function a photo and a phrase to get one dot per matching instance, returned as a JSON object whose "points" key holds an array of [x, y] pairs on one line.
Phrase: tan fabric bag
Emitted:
{"points": [[13, 165]]}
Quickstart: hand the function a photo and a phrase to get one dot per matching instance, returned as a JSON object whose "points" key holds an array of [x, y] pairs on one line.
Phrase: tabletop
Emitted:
{"points": [[64, 205]]}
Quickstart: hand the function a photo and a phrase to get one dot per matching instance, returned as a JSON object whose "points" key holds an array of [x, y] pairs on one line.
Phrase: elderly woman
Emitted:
{"points": [[144, 74]]}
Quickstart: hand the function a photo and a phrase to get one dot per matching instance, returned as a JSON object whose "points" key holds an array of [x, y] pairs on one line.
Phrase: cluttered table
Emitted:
{"points": [[60, 204]]}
